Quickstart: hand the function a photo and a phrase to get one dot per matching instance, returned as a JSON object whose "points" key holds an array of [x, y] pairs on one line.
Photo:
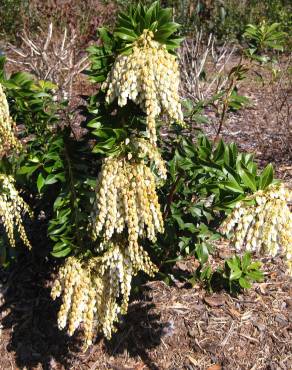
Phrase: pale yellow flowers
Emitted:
{"points": [[126, 198], [12, 206], [7, 137], [91, 289], [263, 223], [149, 76]]}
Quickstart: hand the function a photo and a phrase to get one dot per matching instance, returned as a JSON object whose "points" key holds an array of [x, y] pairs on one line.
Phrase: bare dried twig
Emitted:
{"points": [[57, 59], [194, 56]]}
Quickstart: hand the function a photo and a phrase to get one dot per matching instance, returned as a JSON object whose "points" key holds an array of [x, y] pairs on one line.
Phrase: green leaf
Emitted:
{"points": [[51, 179], [190, 227], [206, 273], [126, 34], [40, 182], [235, 274], [153, 26], [255, 265], [196, 211], [247, 178], [232, 185], [104, 146], [58, 230], [219, 151], [106, 38], [34, 159], [59, 246], [266, 177], [227, 156], [202, 252], [246, 259], [149, 14], [164, 16], [27, 170], [255, 275], [124, 22], [173, 43], [233, 263], [62, 253], [95, 124], [244, 283]]}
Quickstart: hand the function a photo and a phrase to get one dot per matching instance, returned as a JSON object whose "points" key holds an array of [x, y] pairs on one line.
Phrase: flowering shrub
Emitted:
{"points": [[120, 200], [126, 207], [11, 204], [263, 222]]}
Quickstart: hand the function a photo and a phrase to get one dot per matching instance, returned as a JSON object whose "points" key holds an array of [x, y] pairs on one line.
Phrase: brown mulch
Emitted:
{"points": [[170, 327], [264, 127], [165, 328]]}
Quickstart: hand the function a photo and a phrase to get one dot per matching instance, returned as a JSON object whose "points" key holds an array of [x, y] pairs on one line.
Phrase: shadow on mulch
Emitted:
{"points": [[140, 331], [32, 316], [33, 335]]}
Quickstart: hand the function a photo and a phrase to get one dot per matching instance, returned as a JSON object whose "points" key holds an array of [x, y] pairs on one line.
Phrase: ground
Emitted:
{"points": [[171, 327], [166, 327]]}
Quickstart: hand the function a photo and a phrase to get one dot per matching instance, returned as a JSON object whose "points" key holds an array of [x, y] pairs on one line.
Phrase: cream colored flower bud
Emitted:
{"points": [[155, 77], [7, 138], [12, 206], [265, 226]]}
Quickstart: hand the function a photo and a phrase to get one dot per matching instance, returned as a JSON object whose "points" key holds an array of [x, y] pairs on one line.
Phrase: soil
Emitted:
{"points": [[165, 328], [171, 327]]}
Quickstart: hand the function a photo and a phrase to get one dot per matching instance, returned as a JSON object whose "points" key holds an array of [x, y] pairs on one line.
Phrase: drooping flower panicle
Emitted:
{"points": [[11, 208], [126, 198], [96, 291], [149, 76], [147, 150], [263, 222], [7, 138]]}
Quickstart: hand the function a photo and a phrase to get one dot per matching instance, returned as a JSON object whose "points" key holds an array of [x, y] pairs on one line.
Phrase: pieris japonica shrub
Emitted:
{"points": [[212, 191], [11, 204], [25, 115], [140, 79], [263, 222], [121, 200], [106, 203]]}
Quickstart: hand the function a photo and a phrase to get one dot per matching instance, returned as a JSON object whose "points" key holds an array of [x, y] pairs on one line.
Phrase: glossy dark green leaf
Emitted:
{"points": [[62, 253], [219, 151], [125, 34], [27, 170], [40, 182], [247, 178], [51, 179], [266, 177], [202, 252], [232, 185]]}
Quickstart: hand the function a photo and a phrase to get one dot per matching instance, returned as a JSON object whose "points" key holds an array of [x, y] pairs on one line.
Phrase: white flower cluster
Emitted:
{"points": [[149, 76], [11, 208], [147, 150], [95, 291], [263, 222], [126, 197], [7, 138]]}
